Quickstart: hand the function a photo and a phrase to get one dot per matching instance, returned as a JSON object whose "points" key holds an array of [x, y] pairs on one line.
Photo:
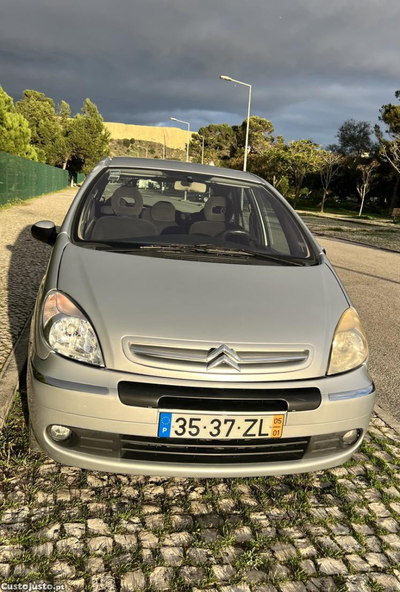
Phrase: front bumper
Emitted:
{"points": [[87, 398]]}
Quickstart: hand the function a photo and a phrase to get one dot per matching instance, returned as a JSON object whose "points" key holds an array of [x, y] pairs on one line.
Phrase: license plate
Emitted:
{"points": [[207, 426]]}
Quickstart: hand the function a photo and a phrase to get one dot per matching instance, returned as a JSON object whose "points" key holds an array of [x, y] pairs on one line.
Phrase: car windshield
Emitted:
{"points": [[131, 209]]}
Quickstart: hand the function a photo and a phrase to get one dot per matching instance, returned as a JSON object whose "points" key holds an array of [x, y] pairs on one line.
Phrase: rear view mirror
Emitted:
{"points": [[44, 231], [190, 186]]}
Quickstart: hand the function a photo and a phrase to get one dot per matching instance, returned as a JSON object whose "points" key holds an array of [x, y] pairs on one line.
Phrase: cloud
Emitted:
{"points": [[312, 63]]}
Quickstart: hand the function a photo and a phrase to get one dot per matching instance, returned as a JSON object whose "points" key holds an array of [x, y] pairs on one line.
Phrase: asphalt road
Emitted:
{"points": [[372, 280]]}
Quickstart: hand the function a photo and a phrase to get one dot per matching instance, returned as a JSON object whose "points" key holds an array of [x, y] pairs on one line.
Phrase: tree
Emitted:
{"points": [[328, 170], [391, 153], [271, 164], [260, 134], [15, 134], [390, 149], [196, 146], [64, 114], [63, 144], [88, 138], [354, 138], [363, 186], [390, 116], [219, 143], [302, 157], [39, 111]]}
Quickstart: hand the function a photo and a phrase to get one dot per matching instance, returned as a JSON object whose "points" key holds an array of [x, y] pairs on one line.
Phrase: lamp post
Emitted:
{"points": [[145, 147], [202, 148], [229, 79], [188, 142]]}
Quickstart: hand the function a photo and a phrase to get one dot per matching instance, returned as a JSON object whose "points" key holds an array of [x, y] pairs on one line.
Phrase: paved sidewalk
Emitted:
{"points": [[374, 234], [333, 530], [23, 261]]}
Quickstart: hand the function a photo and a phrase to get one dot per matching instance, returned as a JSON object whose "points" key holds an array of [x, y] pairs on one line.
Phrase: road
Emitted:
{"points": [[372, 280]]}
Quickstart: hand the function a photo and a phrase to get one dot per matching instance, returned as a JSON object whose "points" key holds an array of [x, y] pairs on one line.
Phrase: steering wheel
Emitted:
{"points": [[243, 233]]}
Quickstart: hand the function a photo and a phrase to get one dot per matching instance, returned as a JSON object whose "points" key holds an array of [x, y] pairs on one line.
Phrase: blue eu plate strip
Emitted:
{"points": [[164, 425]]}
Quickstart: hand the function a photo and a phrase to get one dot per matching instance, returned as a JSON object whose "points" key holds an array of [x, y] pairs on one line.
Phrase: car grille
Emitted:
{"points": [[186, 356], [180, 450], [183, 451]]}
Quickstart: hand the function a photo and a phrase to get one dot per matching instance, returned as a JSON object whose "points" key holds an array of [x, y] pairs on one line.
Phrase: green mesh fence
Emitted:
{"points": [[77, 178], [21, 178]]}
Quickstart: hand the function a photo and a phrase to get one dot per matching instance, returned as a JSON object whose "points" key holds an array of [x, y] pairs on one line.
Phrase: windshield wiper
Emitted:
{"points": [[207, 248], [211, 249], [114, 247]]}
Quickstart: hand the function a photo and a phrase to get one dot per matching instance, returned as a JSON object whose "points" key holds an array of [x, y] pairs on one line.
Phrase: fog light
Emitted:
{"points": [[350, 437], [60, 433]]}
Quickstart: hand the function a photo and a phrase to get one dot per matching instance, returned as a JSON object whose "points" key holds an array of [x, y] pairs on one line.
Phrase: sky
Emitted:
{"points": [[312, 63]]}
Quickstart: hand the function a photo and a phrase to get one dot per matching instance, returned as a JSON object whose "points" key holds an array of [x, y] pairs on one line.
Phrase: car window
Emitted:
{"points": [[158, 207], [276, 238]]}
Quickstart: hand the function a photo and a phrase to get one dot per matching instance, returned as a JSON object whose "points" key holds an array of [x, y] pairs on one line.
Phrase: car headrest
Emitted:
{"points": [[217, 209], [163, 211], [124, 196]]}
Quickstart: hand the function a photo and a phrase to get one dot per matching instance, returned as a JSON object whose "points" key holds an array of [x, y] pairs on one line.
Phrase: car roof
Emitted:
{"points": [[181, 167]]}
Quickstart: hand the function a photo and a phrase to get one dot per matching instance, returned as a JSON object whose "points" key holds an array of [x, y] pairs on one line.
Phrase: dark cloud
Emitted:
{"points": [[312, 63]]}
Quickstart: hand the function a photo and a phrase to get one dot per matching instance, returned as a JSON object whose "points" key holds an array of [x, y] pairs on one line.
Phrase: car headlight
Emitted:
{"points": [[68, 332], [349, 345]]}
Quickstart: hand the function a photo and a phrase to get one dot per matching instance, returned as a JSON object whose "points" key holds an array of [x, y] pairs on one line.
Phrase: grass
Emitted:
{"points": [[346, 212]]}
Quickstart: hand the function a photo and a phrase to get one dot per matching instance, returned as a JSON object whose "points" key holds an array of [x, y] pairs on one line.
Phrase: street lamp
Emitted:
{"points": [[202, 148], [164, 148], [188, 142], [229, 79], [145, 147]]}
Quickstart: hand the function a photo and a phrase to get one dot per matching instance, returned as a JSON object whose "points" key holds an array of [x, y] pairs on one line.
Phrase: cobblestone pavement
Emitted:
{"points": [[332, 530], [374, 235], [23, 261]]}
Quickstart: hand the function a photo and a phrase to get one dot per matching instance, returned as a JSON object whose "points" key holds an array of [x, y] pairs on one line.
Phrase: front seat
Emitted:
{"points": [[126, 203], [216, 217], [161, 214]]}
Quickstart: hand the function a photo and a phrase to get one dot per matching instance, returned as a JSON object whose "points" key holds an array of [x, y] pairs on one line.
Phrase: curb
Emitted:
{"points": [[10, 375], [387, 417]]}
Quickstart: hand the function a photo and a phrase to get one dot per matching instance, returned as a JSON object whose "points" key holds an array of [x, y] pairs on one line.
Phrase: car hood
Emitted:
{"points": [[160, 304]]}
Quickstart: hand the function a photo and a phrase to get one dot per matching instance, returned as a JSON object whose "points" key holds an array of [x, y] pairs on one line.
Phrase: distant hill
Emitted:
{"points": [[143, 148], [172, 137]]}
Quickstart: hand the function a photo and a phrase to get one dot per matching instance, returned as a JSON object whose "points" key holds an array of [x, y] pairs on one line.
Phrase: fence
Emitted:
{"points": [[21, 178], [77, 178]]}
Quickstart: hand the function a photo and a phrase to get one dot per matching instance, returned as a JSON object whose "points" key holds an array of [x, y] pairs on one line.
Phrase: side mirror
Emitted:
{"points": [[45, 231]]}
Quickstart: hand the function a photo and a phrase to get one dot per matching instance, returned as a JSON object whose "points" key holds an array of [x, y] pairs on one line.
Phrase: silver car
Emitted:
{"points": [[190, 325]]}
